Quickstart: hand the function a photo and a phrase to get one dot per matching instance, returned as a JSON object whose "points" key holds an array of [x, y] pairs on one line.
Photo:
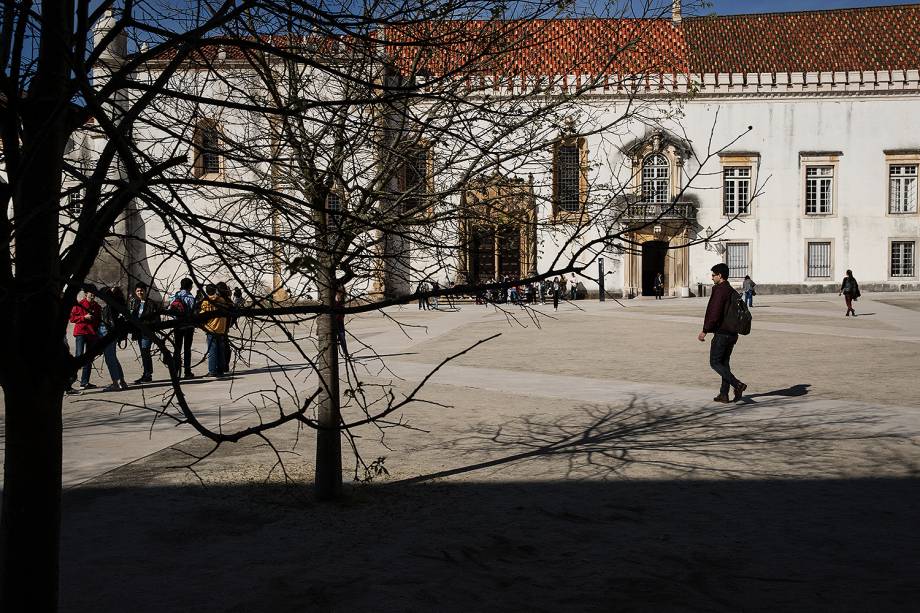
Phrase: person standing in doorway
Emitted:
{"points": [[659, 285], [723, 341], [85, 317], [748, 288], [146, 312], [850, 290]]}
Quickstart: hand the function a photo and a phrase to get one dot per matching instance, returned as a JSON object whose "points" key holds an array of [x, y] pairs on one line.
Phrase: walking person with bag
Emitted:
{"points": [[215, 329], [111, 318], [748, 288], [724, 336], [850, 290], [659, 286]]}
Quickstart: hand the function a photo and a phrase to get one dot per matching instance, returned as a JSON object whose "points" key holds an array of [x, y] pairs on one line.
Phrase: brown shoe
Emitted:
{"points": [[739, 389], [722, 398]]}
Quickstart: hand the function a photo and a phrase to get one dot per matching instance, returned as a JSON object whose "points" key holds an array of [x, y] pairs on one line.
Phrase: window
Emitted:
{"points": [[819, 260], [736, 190], [819, 190], [656, 186], [334, 202], [569, 180], [207, 148], [902, 188], [902, 258], [736, 256], [75, 203], [417, 178]]}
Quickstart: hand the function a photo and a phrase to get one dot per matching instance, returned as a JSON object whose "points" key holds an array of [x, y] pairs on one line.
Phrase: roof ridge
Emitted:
{"points": [[851, 9]]}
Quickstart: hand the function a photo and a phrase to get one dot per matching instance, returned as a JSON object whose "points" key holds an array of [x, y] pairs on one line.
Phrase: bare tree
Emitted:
{"points": [[344, 151]]}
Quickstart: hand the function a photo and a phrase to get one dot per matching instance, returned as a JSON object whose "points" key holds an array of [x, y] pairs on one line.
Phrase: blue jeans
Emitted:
{"points": [[111, 357], [749, 297], [146, 360], [81, 344], [720, 354], [215, 353]]}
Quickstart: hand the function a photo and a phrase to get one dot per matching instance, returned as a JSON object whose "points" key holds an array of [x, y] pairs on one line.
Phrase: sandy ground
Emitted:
{"points": [[574, 463]]}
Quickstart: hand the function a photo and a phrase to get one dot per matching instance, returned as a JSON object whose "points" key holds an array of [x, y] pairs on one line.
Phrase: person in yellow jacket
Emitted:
{"points": [[215, 329]]}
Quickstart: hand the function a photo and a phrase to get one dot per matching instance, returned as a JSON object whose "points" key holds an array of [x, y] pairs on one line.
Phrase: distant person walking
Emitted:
{"points": [[111, 317], [557, 287], [723, 341], [85, 317], [748, 288], [573, 287], [850, 290], [146, 312], [659, 285], [422, 300]]}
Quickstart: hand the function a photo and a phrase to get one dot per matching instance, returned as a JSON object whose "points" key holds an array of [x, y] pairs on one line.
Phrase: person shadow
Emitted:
{"points": [[794, 391]]}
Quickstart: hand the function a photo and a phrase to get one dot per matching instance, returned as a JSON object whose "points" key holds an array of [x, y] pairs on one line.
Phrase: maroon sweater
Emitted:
{"points": [[715, 311]]}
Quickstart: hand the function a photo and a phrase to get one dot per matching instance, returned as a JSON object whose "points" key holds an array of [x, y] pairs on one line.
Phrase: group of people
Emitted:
{"points": [[94, 324], [529, 293]]}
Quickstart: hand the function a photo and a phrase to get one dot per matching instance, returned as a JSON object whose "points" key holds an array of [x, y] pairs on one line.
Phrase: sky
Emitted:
{"points": [[732, 7]]}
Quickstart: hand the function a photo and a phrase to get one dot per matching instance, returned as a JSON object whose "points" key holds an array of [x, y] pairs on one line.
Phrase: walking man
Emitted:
{"points": [[147, 312], [723, 341]]}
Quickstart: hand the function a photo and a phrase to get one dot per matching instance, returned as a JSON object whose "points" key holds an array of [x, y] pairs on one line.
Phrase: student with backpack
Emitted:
{"points": [[182, 308], [726, 317]]}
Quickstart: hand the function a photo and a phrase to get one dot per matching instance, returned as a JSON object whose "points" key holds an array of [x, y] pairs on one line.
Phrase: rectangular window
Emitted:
{"points": [[416, 177], [819, 190], [207, 148], [819, 260], [75, 203], [736, 256], [902, 258], [736, 190], [334, 202], [902, 188], [569, 178], [655, 184]]}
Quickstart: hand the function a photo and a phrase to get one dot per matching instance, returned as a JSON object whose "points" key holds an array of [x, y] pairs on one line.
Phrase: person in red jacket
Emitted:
{"points": [[723, 341], [85, 317]]}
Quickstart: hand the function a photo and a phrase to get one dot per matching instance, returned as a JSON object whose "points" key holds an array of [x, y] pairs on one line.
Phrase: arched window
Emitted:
{"points": [[656, 184], [207, 148]]}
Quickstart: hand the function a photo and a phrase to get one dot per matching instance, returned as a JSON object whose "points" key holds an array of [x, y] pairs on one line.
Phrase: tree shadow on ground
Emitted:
{"points": [[635, 507]]}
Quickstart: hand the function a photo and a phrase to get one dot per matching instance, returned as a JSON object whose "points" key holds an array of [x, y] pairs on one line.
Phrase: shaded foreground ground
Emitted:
{"points": [[578, 466]]}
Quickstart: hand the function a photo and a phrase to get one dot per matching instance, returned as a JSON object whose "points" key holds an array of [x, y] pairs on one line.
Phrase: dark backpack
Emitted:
{"points": [[737, 317], [177, 308]]}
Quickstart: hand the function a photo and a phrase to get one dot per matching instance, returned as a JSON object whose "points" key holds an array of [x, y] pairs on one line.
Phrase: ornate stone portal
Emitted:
{"points": [[498, 229]]}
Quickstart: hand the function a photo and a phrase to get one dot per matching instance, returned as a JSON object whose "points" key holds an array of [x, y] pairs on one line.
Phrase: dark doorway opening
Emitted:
{"points": [[509, 251], [653, 254], [482, 248]]}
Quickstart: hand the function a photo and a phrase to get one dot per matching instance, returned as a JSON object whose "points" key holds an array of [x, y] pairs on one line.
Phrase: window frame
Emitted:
{"points": [[203, 126], [422, 205], [666, 198], [830, 258], [748, 259], [901, 241], [902, 158], [815, 160], [560, 215]]}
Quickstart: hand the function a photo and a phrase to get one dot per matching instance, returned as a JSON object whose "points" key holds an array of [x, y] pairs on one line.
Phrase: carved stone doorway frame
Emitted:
{"points": [[490, 204]]}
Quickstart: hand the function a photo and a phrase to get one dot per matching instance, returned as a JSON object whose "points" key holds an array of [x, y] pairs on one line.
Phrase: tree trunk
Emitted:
{"points": [[328, 478], [31, 522]]}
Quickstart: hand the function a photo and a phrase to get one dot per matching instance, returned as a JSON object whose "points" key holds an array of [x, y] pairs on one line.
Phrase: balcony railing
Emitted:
{"points": [[644, 211]]}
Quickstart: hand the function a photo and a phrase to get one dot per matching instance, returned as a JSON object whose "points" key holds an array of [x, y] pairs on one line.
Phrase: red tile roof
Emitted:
{"points": [[878, 38], [540, 47]]}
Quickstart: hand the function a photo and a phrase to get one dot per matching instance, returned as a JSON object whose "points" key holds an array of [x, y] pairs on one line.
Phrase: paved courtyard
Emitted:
{"points": [[575, 462]]}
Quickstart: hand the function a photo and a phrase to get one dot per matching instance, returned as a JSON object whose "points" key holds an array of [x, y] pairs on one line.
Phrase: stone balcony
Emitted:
{"points": [[671, 211]]}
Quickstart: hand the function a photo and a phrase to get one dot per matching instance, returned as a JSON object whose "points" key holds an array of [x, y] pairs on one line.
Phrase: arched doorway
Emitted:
{"points": [[653, 256]]}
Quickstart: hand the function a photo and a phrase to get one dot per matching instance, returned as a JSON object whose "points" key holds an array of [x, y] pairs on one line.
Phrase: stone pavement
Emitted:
{"points": [[586, 352], [573, 462]]}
